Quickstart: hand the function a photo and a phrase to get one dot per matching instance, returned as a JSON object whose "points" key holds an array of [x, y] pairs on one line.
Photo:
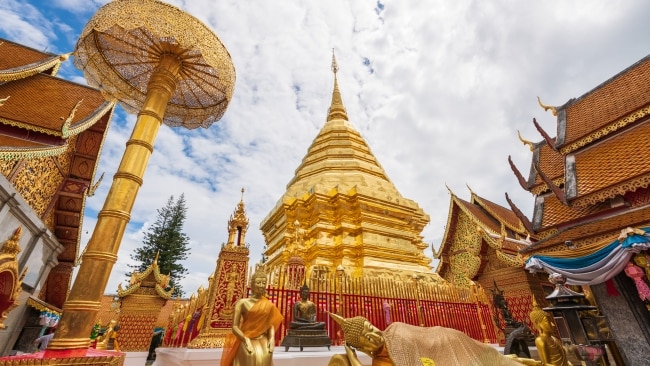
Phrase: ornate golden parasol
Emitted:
{"points": [[123, 43], [168, 67]]}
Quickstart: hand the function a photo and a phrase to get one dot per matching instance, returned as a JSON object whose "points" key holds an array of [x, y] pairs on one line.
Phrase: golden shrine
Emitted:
{"points": [[592, 205], [344, 210], [227, 285], [51, 134], [140, 304]]}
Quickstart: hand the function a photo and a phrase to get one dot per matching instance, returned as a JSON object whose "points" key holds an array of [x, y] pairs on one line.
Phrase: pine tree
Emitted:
{"points": [[166, 237]]}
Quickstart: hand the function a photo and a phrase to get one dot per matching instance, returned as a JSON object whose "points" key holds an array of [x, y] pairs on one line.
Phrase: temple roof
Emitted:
{"points": [[502, 214], [612, 167], [51, 131], [25, 61], [606, 108], [593, 229]]}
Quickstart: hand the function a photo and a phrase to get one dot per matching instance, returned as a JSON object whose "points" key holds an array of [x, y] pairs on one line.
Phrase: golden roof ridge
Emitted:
{"points": [[16, 73]]}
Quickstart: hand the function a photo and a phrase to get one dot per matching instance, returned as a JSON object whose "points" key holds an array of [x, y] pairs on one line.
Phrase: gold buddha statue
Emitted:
{"points": [[405, 344], [304, 312], [108, 340], [255, 320], [550, 348]]}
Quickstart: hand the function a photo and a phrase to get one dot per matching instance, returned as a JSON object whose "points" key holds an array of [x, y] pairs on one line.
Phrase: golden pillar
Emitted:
{"points": [[173, 70]]}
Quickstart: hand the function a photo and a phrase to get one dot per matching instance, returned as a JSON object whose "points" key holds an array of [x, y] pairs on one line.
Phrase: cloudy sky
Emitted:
{"points": [[437, 88]]}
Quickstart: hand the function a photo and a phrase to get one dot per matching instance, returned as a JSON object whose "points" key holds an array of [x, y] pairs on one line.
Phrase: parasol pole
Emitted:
{"points": [[83, 303]]}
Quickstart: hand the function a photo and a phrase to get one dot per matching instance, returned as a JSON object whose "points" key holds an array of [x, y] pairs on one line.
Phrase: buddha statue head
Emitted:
{"points": [[360, 333]]}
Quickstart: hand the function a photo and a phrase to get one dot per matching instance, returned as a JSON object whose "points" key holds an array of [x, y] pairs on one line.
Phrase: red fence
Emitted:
{"points": [[474, 319], [425, 301]]}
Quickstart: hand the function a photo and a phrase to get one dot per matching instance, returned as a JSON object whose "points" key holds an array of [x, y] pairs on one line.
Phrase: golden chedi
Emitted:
{"points": [[346, 209]]}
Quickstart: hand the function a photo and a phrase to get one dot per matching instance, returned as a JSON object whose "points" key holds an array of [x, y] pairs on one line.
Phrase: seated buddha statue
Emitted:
{"points": [[550, 348], [304, 312], [405, 344]]}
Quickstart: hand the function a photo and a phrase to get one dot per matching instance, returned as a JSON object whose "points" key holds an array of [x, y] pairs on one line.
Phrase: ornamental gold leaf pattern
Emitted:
{"points": [[38, 181], [466, 236]]}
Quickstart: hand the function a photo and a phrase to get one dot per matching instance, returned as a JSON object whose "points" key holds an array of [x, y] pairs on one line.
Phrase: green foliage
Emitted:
{"points": [[166, 237]]}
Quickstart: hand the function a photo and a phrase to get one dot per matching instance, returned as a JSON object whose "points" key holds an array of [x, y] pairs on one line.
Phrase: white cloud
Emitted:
{"points": [[451, 83]]}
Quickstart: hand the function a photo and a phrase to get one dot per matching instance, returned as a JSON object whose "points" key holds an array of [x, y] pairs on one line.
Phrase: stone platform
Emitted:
{"points": [[310, 356], [211, 357]]}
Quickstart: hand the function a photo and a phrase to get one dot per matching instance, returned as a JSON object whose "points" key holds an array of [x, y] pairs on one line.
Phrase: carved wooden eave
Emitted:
{"points": [[10, 279], [520, 215], [520, 178], [557, 191], [152, 273], [549, 140], [595, 228]]}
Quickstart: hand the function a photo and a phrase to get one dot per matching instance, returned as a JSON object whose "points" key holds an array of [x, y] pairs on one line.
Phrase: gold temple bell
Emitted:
{"points": [[166, 66]]}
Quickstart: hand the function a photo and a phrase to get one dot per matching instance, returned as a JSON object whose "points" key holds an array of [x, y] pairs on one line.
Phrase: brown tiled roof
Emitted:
{"points": [[42, 103], [615, 161], [501, 213], [610, 225], [20, 55], [556, 213], [551, 163], [622, 94], [481, 215]]}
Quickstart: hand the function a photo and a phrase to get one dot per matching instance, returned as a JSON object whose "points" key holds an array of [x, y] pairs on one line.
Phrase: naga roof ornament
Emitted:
{"points": [[547, 107], [530, 145]]}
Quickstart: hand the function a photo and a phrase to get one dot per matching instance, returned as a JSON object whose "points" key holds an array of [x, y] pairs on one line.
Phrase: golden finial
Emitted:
{"points": [[93, 187], [337, 110], [242, 194], [547, 107], [530, 145], [470, 189], [12, 245], [65, 56], [3, 100]]}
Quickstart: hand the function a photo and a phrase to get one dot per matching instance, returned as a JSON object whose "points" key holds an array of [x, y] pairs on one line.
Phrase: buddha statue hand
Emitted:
{"points": [[248, 344]]}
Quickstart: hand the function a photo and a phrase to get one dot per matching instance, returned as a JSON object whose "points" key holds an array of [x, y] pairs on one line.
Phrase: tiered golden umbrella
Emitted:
{"points": [[167, 67]]}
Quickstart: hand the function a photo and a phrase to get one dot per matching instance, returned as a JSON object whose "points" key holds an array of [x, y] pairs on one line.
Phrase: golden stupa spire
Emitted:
{"points": [[337, 110]]}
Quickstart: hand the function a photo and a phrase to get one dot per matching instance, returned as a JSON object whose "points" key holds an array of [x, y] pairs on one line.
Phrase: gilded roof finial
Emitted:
{"points": [[12, 245], [547, 107], [530, 145], [242, 195], [3, 100], [337, 110]]}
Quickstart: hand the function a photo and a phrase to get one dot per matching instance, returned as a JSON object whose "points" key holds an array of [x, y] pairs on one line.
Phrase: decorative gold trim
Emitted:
{"points": [[543, 187], [41, 306], [53, 62], [14, 153], [604, 131], [620, 189]]}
